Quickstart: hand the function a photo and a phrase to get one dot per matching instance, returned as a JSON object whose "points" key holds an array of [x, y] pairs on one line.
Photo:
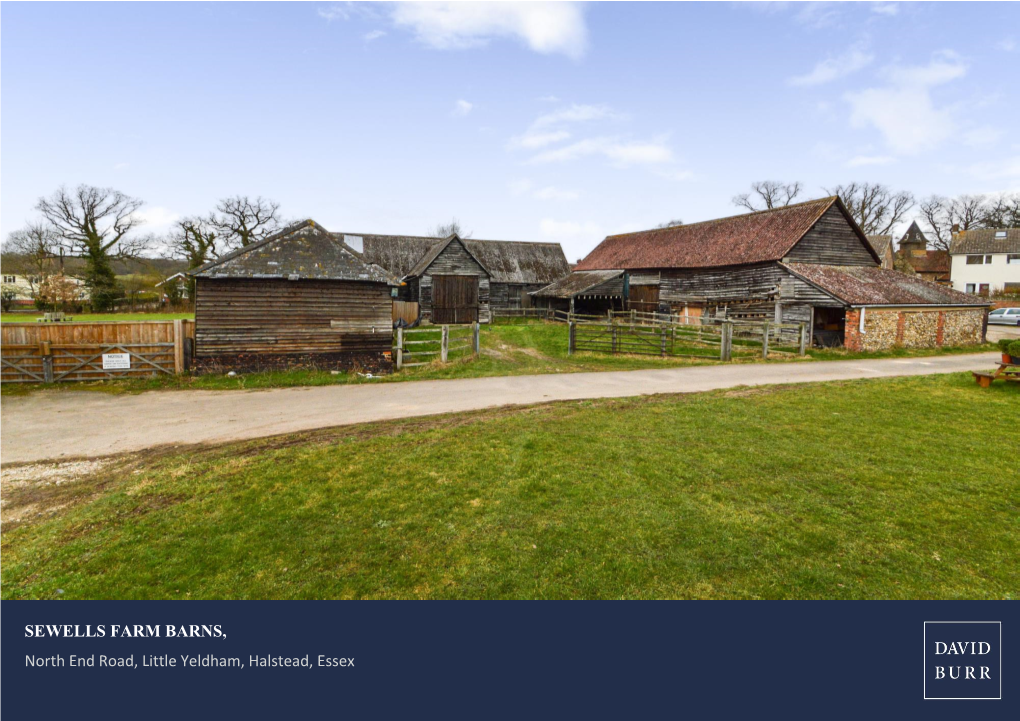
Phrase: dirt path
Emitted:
{"points": [[54, 424]]}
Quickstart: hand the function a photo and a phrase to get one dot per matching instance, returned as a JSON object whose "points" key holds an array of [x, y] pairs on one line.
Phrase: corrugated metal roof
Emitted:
{"points": [[871, 285], [576, 283], [506, 261], [750, 238], [304, 250], [984, 240]]}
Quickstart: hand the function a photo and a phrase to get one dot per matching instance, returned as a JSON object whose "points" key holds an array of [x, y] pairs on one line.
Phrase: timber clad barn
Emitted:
{"points": [[298, 299], [807, 262], [458, 280]]}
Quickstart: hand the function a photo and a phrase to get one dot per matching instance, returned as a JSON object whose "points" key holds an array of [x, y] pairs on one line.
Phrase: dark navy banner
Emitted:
{"points": [[289, 659]]}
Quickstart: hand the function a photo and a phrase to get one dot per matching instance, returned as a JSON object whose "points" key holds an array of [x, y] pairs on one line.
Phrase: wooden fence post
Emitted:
{"points": [[725, 349], [765, 341], [47, 361], [614, 338], [444, 347], [571, 337], [803, 338], [400, 348], [476, 339], [663, 345], [178, 347]]}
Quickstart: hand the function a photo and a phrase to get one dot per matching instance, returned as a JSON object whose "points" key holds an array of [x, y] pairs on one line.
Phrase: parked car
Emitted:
{"points": [[1005, 316]]}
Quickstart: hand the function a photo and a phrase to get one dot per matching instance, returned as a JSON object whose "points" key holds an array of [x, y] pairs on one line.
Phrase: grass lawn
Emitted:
{"points": [[34, 317], [900, 488], [507, 349]]}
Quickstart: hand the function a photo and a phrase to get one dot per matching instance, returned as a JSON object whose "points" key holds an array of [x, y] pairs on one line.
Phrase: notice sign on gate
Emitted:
{"points": [[116, 361]]}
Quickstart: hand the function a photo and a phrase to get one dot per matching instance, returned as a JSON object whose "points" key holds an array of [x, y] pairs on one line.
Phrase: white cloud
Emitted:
{"points": [[549, 99], [374, 35], [545, 27], [544, 131], [156, 218], [997, 170], [526, 187], [533, 140], [574, 114], [461, 108], [885, 8], [620, 152], [553, 193], [677, 175], [1008, 45], [860, 161], [835, 67], [570, 230], [334, 12], [984, 135], [903, 111]]}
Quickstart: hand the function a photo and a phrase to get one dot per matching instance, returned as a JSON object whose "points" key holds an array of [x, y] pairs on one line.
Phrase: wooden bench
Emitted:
{"points": [[1006, 372]]}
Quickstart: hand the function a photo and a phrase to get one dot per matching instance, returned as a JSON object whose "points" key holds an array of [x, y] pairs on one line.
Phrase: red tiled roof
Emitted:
{"points": [[749, 238], [934, 261], [870, 285]]}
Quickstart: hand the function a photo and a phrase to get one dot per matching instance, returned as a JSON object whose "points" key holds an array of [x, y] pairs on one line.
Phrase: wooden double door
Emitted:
{"points": [[454, 299]]}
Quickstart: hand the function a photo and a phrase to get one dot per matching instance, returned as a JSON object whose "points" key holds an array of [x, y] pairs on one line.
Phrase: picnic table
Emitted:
{"points": [[1006, 371]]}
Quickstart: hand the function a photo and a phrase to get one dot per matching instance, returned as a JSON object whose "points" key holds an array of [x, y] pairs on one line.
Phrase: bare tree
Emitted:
{"points": [[193, 240], [943, 216], [96, 224], [670, 223], [35, 252], [1002, 211], [875, 207], [445, 230], [241, 221], [768, 194]]}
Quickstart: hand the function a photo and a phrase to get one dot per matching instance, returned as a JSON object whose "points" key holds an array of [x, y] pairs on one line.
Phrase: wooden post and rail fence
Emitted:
{"points": [[420, 346], [696, 337], [83, 351]]}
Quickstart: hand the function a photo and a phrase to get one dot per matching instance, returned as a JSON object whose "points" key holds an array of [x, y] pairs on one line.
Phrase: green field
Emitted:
{"points": [[507, 349], [904, 488], [88, 317]]}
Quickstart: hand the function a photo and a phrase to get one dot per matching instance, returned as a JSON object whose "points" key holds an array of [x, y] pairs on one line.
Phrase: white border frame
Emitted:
{"points": [[960, 698]]}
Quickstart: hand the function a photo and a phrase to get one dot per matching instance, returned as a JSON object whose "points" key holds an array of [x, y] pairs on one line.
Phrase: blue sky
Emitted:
{"points": [[560, 122]]}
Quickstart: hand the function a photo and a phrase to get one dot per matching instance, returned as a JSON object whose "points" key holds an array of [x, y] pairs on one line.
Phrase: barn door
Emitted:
{"points": [[644, 298], [454, 299]]}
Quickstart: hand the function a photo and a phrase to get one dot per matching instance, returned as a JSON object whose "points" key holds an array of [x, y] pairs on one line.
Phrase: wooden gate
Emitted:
{"points": [[56, 352], [454, 299]]}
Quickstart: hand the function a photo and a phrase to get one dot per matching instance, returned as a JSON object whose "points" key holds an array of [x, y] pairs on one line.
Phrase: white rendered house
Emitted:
{"points": [[986, 260]]}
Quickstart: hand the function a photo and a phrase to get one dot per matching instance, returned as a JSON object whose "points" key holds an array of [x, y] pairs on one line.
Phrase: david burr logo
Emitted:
{"points": [[962, 660]]}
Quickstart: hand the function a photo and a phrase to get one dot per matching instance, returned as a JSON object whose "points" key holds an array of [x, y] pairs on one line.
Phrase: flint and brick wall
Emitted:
{"points": [[910, 328]]}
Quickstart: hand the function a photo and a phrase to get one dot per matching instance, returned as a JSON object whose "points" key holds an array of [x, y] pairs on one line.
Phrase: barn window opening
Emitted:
{"points": [[830, 327]]}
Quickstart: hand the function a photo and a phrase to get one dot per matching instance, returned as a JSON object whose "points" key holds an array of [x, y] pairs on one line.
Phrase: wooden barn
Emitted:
{"points": [[807, 262], [458, 280], [298, 299]]}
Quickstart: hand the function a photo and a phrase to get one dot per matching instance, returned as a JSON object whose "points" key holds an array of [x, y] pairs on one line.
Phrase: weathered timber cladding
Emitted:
{"points": [[454, 260], [274, 316], [511, 295], [747, 282], [832, 241]]}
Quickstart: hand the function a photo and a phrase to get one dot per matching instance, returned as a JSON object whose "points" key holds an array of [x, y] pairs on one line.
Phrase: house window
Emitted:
{"points": [[988, 260], [1000, 234], [1013, 258], [14, 278], [983, 289], [975, 259], [971, 288]]}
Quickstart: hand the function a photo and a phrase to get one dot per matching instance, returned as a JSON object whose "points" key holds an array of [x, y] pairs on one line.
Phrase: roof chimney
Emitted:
{"points": [[956, 228]]}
